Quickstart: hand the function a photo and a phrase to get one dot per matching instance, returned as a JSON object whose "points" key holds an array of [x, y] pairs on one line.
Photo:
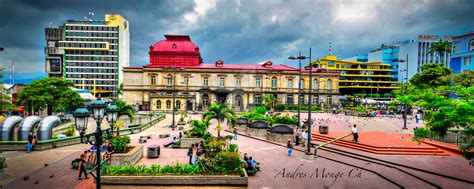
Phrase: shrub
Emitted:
{"points": [[120, 144], [198, 129], [227, 162], [70, 131], [280, 107], [421, 133], [233, 148], [360, 109]]}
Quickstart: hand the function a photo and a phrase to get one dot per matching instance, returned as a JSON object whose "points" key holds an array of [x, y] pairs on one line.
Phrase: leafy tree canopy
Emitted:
{"points": [[53, 94], [432, 75]]}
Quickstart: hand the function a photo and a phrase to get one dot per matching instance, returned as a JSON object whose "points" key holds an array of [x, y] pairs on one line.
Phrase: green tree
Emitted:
{"points": [[432, 75], [52, 94], [5, 99], [221, 112], [124, 109], [440, 47], [464, 79], [269, 100]]}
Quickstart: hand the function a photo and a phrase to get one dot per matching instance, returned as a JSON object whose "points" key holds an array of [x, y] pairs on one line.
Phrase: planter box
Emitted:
{"points": [[256, 132], [198, 180], [280, 138], [187, 142], [129, 158]]}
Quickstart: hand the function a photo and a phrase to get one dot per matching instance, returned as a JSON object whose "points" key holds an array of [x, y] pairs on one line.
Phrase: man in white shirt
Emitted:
{"points": [[354, 133]]}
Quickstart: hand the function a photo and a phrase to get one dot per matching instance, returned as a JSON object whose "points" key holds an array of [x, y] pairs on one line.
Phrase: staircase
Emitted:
{"points": [[383, 150]]}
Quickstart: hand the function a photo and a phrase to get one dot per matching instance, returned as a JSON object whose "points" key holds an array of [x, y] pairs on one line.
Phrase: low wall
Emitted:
{"points": [[187, 142], [198, 180], [280, 138], [129, 158], [241, 128], [256, 132]]}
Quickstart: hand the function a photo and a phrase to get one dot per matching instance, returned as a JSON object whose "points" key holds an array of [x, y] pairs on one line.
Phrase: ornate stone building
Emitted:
{"points": [[176, 65]]}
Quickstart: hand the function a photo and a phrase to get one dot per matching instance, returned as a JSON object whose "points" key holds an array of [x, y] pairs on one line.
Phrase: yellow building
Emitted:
{"points": [[360, 77], [176, 65]]}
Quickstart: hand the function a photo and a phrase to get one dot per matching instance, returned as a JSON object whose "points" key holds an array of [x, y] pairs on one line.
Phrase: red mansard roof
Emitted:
{"points": [[175, 44], [233, 67]]}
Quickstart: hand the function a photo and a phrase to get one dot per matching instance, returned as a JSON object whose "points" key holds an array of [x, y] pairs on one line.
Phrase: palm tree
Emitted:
{"points": [[269, 100], [440, 47], [125, 109], [221, 112]]}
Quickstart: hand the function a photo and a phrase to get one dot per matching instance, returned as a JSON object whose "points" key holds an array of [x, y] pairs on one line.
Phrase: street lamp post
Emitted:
{"points": [[405, 105], [81, 116], [112, 116], [299, 86]]}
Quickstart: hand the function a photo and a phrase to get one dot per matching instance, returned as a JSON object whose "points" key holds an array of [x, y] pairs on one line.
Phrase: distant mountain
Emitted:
{"points": [[23, 77]]}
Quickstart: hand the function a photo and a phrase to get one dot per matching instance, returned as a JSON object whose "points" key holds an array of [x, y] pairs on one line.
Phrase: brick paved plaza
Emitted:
{"points": [[277, 169]]}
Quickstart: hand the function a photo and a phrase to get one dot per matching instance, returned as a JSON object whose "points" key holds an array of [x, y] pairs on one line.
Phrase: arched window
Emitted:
{"points": [[168, 104], [274, 82], [158, 104], [178, 104], [315, 84], [328, 84], [169, 80], [302, 83]]}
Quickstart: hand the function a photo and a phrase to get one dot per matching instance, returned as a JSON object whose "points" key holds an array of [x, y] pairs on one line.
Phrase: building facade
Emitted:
{"points": [[176, 66], [462, 58], [416, 50], [90, 53], [360, 77]]}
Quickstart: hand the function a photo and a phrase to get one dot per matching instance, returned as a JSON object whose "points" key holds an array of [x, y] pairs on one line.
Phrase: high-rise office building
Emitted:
{"points": [[91, 53], [417, 52]]}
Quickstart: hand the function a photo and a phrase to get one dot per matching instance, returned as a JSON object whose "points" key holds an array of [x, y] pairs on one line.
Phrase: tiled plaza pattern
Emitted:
{"points": [[274, 161]]}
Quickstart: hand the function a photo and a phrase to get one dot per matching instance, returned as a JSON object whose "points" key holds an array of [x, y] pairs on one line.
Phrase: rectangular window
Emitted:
{"points": [[258, 82], [222, 82], [206, 81], [185, 81], [467, 61], [153, 80], [257, 99], [290, 83], [237, 82]]}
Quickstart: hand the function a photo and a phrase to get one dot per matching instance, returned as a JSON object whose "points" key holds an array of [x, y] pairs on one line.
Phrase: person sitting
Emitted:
{"points": [[103, 149], [175, 141], [108, 153], [255, 164], [245, 157], [93, 150]]}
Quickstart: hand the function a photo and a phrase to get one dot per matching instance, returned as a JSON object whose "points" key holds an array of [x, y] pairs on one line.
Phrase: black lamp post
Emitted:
{"points": [[310, 123], [405, 105], [81, 116], [299, 86], [112, 116]]}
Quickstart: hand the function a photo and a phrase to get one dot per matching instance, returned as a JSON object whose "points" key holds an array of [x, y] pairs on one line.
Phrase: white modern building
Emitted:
{"points": [[93, 53]]}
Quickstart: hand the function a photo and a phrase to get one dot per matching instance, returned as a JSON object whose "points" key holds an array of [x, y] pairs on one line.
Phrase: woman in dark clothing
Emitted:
{"points": [[82, 167], [190, 154]]}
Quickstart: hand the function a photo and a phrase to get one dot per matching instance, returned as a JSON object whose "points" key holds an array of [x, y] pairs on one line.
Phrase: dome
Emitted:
{"points": [[176, 44], [281, 129]]}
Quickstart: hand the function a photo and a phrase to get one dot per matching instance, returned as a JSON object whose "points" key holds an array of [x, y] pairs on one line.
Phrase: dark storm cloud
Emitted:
{"points": [[246, 31]]}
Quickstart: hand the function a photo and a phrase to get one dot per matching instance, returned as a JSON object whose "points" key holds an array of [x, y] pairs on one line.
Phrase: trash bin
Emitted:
{"points": [[323, 129], [153, 151]]}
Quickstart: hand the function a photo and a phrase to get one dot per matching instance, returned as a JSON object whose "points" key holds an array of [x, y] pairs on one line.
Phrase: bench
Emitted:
{"points": [[164, 135]]}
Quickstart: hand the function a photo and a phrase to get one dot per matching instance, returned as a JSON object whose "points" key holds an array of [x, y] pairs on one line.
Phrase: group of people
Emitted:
{"points": [[195, 151], [301, 136], [252, 165], [106, 151]]}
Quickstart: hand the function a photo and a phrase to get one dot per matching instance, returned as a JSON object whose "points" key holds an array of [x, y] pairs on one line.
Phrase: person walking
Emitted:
{"points": [[418, 118], [31, 142], [195, 149], [190, 154], [235, 133], [82, 167], [297, 137], [355, 133], [290, 147]]}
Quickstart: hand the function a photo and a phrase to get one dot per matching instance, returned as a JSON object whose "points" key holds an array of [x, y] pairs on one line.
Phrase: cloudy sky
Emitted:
{"points": [[238, 31]]}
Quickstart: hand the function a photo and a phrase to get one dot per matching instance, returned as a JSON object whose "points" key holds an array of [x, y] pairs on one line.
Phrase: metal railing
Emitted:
{"points": [[329, 142]]}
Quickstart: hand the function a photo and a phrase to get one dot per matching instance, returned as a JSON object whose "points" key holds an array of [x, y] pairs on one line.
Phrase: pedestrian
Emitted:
{"points": [[354, 133], [195, 149], [31, 142], [180, 135], [190, 154], [297, 137], [305, 138], [82, 167], [417, 118], [93, 150], [235, 133], [290, 147]]}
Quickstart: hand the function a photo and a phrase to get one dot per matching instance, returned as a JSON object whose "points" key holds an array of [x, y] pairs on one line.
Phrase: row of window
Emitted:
{"points": [[238, 82], [86, 52], [91, 64], [84, 45], [91, 88], [90, 70], [113, 41], [93, 28], [91, 34], [91, 82], [96, 76], [168, 104], [92, 58]]}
